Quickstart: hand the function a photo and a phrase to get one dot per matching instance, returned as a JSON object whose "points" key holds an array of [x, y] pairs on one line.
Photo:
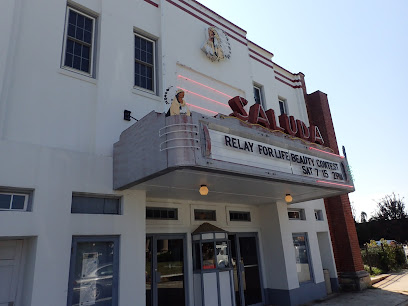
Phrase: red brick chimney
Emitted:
{"points": [[343, 233]]}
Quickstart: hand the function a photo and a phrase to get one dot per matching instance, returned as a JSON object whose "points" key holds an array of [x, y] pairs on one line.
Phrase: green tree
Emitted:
{"points": [[391, 207], [363, 217], [353, 212]]}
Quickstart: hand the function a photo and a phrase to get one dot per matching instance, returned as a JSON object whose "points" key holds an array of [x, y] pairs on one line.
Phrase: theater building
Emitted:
{"points": [[150, 154]]}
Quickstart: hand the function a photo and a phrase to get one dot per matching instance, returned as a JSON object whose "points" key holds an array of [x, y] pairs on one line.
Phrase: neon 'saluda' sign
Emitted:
{"points": [[287, 124]]}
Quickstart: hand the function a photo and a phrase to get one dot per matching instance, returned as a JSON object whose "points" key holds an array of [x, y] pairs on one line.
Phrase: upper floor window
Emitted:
{"points": [[282, 106], [258, 95], [13, 201], [95, 205], [79, 42], [144, 62]]}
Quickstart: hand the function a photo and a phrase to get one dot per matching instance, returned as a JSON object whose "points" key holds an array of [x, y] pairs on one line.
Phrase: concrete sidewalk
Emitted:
{"points": [[390, 289]]}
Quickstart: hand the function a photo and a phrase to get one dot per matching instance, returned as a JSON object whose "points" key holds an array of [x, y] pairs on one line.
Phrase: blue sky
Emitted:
{"points": [[356, 52]]}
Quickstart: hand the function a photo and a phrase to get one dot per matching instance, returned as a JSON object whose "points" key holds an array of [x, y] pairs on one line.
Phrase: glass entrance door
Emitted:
{"points": [[247, 281], [165, 277]]}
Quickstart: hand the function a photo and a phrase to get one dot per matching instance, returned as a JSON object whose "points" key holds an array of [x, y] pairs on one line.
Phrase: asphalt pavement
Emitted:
{"points": [[390, 291]]}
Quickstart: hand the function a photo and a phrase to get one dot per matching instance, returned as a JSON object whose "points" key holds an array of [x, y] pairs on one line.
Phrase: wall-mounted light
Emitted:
{"points": [[203, 190], [127, 116], [288, 198]]}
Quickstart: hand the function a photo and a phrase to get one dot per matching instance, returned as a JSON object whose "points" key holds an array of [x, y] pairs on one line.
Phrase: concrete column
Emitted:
{"points": [[278, 255]]}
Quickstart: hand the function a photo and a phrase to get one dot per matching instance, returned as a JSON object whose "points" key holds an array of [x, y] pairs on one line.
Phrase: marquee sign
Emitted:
{"points": [[244, 151], [288, 124]]}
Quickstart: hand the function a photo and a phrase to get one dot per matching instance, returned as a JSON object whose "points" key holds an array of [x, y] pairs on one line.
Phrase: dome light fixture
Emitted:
{"points": [[288, 198], [203, 190]]}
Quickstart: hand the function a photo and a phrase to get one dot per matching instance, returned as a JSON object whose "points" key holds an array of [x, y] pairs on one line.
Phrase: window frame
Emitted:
{"points": [[285, 106], [116, 258], [101, 197], [309, 256], [199, 210], [260, 90], [247, 213], [300, 211], [92, 51], [174, 209], [12, 194], [319, 215], [154, 42]]}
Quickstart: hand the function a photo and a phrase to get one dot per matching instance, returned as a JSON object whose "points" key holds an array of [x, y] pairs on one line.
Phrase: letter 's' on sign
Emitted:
{"points": [[289, 125], [237, 105]]}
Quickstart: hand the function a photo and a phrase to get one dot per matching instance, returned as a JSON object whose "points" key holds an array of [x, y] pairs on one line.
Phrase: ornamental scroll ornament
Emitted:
{"points": [[216, 46]]}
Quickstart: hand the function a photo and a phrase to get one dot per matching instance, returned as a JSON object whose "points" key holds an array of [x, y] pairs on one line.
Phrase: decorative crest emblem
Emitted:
{"points": [[216, 46]]}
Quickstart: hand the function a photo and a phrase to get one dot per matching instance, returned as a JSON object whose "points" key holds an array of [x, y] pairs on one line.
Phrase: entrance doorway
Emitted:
{"points": [[10, 262], [165, 270], [247, 275]]}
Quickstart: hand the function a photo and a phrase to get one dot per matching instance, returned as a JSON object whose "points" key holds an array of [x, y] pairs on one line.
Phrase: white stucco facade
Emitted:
{"points": [[58, 128]]}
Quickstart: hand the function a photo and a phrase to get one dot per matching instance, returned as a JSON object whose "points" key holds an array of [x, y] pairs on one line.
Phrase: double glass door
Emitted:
{"points": [[165, 270], [247, 281]]}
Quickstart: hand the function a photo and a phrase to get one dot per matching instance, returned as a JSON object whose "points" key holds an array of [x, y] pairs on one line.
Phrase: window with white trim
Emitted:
{"points": [[282, 106], [161, 213], [145, 62], [205, 214], [318, 214], [258, 95], [303, 263], [79, 41], [13, 201], [296, 214], [240, 216]]}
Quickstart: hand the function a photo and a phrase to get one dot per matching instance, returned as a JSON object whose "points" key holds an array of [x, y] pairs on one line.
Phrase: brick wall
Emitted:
{"points": [[342, 228]]}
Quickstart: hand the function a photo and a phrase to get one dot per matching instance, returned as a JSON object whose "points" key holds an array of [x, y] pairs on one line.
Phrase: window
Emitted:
{"points": [[208, 255], [222, 254], [296, 214], [94, 271], [318, 214], [240, 216], [144, 62], [203, 214], [161, 213], [95, 205], [302, 257], [282, 106], [258, 95], [79, 42], [13, 201]]}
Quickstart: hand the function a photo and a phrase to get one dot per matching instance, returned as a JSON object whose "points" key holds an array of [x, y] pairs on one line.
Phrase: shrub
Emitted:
{"points": [[374, 270], [385, 257]]}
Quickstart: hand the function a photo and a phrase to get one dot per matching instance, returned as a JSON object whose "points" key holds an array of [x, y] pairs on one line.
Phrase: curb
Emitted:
{"points": [[379, 279], [324, 299]]}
